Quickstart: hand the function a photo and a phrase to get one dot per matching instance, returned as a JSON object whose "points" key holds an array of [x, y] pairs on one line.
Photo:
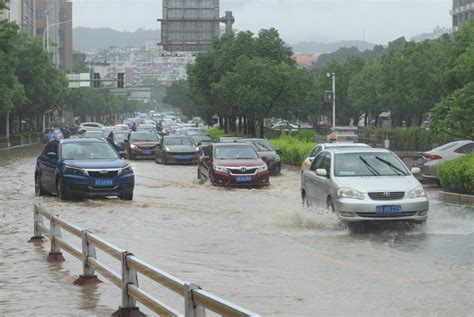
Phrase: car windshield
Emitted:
{"points": [[177, 141], [201, 138], [235, 153], [143, 137], [87, 151], [262, 145], [368, 164]]}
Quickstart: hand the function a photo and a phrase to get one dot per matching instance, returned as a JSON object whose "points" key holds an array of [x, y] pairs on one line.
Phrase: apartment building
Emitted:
{"points": [[23, 13], [462, 10]]}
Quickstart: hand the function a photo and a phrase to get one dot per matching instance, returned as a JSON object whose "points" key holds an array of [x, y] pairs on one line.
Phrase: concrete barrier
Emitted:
{"points": [[454, 198]]}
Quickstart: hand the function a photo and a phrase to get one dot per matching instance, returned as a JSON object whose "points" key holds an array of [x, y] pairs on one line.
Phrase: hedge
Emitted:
{"points": [[458, 175], [294, 150]]}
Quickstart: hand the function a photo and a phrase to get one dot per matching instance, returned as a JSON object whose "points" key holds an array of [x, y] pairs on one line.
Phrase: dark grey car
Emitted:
{"points": [[266, 152], [178, 150]]}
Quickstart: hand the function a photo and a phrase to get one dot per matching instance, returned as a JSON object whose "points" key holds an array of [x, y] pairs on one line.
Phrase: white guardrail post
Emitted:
{"points": [[38, 237], [88, 272], [55, 254], [129, 277], [191, 309]]}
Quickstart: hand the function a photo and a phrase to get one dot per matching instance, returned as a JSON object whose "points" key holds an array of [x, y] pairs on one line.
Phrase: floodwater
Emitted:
{"points": [[257, 248]]}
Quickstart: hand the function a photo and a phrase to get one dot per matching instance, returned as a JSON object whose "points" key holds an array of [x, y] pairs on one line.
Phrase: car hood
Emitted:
{"points": [[240, 163], [97, 164], [379, 183], [268, 154], [182, 148], [145, 144]]}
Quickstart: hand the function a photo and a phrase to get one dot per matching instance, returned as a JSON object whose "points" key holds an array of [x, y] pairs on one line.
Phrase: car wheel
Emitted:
{"points": [[126, 196], [212, 180], [38, 186], [62, 193], [330, 205]]}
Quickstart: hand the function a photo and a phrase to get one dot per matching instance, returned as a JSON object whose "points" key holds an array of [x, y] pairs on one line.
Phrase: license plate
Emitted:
{"points": [[243, 179], [388, 210], [104, 182], [183, 157], [146, 152]]}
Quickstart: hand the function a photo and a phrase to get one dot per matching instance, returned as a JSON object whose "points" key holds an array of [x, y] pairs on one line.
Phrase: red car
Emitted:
{"points": [[233, 164]]}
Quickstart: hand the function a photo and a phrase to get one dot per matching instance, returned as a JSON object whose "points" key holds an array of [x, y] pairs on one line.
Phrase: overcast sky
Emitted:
{"points": [[379, 21]]}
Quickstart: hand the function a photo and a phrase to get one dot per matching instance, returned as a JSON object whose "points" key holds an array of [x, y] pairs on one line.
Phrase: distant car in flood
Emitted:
{"points": [[430, 161], [202, 140], [141, 145], [364, 185], [117, 139], [177, 149], [266, 151], [233, 164], [83, 168]]}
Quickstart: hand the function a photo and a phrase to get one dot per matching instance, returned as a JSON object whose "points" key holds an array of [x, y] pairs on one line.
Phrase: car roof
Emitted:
{"points": [[358, 150], [83, 140], [345, 144], [231, 144], [253, 139]]}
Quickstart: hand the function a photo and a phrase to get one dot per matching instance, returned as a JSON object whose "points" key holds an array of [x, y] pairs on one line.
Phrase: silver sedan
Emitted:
{"points": [[364, 184]]}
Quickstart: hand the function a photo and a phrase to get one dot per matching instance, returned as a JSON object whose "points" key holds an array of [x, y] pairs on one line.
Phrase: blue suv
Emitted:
{"points": [[76, 168]]}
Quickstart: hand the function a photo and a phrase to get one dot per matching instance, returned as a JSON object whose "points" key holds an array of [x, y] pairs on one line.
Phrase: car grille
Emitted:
{"points": [[98, 174], [386, 195], [239, 171], [147, 148], [375, 215]]}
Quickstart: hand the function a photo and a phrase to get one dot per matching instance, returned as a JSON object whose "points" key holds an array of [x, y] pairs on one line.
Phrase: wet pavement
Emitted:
{"points": [[255, 247]]}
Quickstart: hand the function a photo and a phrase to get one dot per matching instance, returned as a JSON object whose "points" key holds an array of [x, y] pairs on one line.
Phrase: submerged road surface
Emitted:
{"points": [[257, 248]]}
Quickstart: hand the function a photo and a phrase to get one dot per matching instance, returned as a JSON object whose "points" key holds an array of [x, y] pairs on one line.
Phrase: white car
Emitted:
{"points": [[92, 126], [324, 146]]}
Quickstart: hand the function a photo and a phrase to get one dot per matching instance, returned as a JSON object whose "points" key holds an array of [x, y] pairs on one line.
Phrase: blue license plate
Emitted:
{"points": [[146, 152], [104, 182], [243, 179], [183, 157], [388, 210]]}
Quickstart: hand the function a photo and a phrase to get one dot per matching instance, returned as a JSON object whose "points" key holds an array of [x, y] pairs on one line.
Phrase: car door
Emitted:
{"points": [[159, 148], [323, 183], [310, 179], [48, 167]]}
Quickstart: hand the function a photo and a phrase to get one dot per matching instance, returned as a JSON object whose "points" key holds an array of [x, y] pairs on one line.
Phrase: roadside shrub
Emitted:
{"points": [[458, 175], [306, 135], [294, 151], [215, 133]]}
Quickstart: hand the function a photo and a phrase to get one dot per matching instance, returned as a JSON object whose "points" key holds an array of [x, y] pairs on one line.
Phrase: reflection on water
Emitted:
{"points": [[262, 242]]}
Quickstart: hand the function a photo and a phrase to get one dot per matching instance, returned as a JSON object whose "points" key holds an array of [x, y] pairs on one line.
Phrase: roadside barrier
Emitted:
{"points": [[196, 300]]}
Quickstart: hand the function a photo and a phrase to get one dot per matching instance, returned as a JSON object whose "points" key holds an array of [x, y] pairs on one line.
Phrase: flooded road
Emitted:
{"points": [[257, 248]]}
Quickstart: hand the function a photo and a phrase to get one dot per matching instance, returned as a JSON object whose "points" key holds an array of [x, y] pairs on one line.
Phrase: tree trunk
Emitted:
{"points": [[226, 125], [240, 124], [262, 128], [246, 126], [20, 123], [221, 123]]}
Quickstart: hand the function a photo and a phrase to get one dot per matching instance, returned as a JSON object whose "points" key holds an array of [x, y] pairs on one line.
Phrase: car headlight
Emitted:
{"points": [[417, 192], [262, 168], [133, 146], [350, 193], [126, 170], [167, 149], [75, 170], [222, 169]]}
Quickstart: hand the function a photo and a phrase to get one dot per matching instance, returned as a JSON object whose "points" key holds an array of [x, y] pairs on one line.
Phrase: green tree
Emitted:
{"points": [[179, 95], [454, 115]]}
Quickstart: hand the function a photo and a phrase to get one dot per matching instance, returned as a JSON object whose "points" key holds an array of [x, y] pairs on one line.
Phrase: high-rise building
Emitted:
{"points": [[54, 25], [23, 13], [463, 10]]}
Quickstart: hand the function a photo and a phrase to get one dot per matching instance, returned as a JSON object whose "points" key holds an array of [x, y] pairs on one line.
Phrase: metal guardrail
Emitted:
{"points": [[196, 300]]}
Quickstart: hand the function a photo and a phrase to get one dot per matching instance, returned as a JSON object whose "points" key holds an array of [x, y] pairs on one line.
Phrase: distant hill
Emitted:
{"points": [[85, 38], [321, 48], [437, 32]]}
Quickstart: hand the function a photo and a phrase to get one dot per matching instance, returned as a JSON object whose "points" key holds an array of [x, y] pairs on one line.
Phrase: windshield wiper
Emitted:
{"points": [[393, 167], [369, 167]]}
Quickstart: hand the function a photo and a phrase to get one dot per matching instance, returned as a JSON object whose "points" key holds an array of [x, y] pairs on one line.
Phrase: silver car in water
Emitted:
{"points": [[364, 184]]}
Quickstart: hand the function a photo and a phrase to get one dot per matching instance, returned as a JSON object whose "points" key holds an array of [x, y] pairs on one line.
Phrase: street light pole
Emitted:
{"points": [[46, 31], [333, 75]]}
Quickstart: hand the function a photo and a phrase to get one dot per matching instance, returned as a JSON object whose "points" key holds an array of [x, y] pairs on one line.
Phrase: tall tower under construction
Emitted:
{"points": [[189, 25]]}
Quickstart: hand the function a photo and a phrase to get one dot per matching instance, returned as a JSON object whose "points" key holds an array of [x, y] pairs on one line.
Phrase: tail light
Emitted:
{"points": [[431, 157]]}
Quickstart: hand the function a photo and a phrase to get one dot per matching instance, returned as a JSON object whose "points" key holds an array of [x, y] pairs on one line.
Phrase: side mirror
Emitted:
{"points": [[321, 172], [416, 170], [311, 159], [52, 155]]}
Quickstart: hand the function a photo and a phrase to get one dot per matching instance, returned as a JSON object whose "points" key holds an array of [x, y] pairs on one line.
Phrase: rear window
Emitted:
{"points": [[177, 141], [144, 137]]}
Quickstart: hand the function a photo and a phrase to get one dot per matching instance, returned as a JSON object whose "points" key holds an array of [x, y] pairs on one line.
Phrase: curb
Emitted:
{"points": [[461, 199], [18, 146]]}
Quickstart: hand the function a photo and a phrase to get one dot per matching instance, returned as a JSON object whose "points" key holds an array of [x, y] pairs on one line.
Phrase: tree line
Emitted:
{"points": [[31, 85], [245, 78]]}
